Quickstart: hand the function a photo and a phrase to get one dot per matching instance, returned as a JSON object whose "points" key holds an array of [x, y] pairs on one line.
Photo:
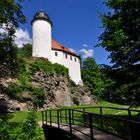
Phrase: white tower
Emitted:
{"points": [[42, 36]]}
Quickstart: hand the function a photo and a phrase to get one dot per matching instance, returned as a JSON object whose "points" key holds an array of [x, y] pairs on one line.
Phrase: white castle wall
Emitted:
{"points": [[72, 65], [42, 40]]}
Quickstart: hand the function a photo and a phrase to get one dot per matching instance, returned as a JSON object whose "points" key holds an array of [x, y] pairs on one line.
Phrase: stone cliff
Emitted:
{"points": [[40, 84]]}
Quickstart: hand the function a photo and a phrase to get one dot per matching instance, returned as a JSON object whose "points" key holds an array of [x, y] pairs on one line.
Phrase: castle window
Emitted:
{"points": [[56, 54], [66, 56], [70, 57], [75, 60]]}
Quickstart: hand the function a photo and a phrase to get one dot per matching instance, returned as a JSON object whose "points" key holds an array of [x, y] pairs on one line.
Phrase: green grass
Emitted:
{"points": [[18, 117], [108, 111], [21, 115], [117, 127]]}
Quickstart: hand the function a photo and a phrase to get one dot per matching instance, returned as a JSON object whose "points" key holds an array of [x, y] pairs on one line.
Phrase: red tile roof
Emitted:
{"points": [[58, 46]]}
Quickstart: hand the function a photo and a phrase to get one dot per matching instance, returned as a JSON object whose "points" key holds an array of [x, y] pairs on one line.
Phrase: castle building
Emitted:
{"points": [[45, 46]]}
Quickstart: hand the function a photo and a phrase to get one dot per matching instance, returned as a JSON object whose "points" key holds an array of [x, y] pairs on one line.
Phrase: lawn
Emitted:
{"points": [[109, 124], [21, 115]]}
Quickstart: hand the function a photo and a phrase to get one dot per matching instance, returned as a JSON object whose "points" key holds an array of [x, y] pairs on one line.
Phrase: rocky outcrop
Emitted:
{"points": [[57, 89], [59, 93], [8, 105], [81, 95]]}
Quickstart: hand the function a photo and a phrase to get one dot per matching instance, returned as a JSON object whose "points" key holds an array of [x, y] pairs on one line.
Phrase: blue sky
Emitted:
{"points": [[76, 24]]}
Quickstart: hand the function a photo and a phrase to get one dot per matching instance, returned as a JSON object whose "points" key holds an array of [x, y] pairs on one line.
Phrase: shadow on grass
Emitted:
{"points": [[125, 129], [5, 116]]}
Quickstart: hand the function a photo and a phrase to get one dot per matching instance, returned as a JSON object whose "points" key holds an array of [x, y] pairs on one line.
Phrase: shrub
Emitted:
{"points": [[24, 75], [38, 97], [30, 128], [27, 130], [42, 65], [13, 91], [60, 69]]}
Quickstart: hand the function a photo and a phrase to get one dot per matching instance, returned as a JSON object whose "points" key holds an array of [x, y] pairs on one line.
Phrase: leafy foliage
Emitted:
{"points": [[121, 36], [60, 70], [122, 85], [14, 91], [38, 96], [10, 18], [29, 129], [25, 51], [92, 77], [24, 73], [44, 65]]}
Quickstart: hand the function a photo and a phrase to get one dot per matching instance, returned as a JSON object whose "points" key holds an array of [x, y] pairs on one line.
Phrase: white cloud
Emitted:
{"points": [[22, 37], [87, 52], [72, 50], [85, 45], [3, 29]]}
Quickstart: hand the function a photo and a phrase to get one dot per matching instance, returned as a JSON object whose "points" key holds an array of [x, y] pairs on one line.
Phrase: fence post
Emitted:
{"points": [[91, 127], [70, 122], [84, 117], [72, 117], [101, 111], [66, 115], [50, 117], [129, 113], [58, 118], [60, 115], [42, 118], [46, 117]]}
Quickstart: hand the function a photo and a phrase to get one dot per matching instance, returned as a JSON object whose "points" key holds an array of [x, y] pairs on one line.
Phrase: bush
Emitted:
{"points": [[24, 73], [13, 91], [30, 129], [38, 97], [42, 65], [27, 130], [60, 69]]}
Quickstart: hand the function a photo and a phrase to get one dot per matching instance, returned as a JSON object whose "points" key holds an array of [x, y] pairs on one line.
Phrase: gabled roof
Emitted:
{"points": [[59, 47]]}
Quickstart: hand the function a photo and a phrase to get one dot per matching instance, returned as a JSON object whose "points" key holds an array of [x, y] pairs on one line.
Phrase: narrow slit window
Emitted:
{"points": [[75, 60], [66, 56], [56, 54], [70, 57]]}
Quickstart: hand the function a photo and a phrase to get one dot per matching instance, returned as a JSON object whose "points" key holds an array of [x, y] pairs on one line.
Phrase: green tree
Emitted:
{"points": [[10, 18], [26, 51], [121, 36], [92, 77]]}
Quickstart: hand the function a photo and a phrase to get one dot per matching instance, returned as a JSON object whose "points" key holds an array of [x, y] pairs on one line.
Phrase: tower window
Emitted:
{"points": [[75, 60], [56, 54], [70, 57], [66, 56]]}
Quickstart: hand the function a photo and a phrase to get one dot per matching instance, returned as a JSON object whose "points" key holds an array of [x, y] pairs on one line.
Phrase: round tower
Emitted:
{"points": [[42, 36]]}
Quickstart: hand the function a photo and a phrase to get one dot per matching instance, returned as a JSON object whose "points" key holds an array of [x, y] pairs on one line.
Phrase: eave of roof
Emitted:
{"points": [[59, 47]]}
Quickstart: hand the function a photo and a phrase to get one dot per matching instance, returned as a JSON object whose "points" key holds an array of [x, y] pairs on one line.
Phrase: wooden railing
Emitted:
{"points": [[126, 128]]}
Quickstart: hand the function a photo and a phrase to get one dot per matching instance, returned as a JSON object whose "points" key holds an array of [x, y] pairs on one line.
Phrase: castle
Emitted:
{"points": [[45, 46]]}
